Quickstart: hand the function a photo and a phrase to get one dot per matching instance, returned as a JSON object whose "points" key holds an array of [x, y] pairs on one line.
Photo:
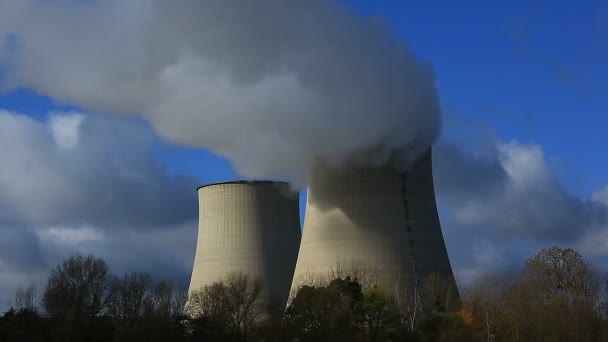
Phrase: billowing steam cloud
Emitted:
{"points": [[273, 85]]}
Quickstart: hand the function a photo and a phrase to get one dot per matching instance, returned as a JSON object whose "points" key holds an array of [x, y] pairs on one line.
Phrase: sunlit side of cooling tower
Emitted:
{"points": [[376, 217], [251, 227]]}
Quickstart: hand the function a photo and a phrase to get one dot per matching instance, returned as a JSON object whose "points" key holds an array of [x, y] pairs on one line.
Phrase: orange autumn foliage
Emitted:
{"points": [[468, 318]]}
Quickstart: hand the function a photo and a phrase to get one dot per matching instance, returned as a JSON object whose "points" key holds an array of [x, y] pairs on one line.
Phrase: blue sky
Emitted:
{"points": [[531, 71], [522, 89]]}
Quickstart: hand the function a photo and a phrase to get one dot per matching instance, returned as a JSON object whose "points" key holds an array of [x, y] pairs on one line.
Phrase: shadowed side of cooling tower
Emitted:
{"points": [[251, 227], [379, 218]]}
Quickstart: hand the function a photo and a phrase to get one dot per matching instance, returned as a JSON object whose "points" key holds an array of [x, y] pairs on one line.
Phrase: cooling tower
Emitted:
{"points": [[251, 227], [377, 218]]}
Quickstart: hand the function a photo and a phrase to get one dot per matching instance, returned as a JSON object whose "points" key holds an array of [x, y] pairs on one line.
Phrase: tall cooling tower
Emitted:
{"points": [[251, 227], [375, 217]]}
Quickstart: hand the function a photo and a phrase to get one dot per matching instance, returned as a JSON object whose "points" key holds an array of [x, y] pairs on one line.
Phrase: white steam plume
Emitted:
{"points": [[273, 85]]}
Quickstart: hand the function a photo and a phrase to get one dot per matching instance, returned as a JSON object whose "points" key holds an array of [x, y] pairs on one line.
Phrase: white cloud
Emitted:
{"points": [[525, 166], [65, 128], [71, 236], [527, 201], [595, 243], [260, 77], [109, 177], [601, 196], [105, 194], [507, 204]]}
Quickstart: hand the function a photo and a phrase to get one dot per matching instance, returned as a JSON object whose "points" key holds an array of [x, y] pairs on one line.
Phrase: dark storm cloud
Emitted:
{"points": [[19, 248], [462, 177]]}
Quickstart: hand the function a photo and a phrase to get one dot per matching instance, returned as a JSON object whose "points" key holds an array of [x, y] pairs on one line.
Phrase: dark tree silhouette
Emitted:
{"points": [[327, 313], [76, 295], [230, 307], [25, 298], [77, 289]]}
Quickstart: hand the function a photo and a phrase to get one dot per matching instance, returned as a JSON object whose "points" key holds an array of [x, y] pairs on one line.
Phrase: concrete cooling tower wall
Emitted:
{"points": [[377, 218], [248, 226]]}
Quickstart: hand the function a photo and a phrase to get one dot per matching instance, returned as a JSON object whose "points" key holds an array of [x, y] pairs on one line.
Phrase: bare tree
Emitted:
{"points": [[178, 303], [162, 297], [563, 272], [128, 298], [237, 302], [544, 301], [77, 289], [437, 291], [487, 300], [167, 301], [209, 301], [25, 298], [409, 304], [246, 301], [566, 288], [366, 275], [603, 297]]}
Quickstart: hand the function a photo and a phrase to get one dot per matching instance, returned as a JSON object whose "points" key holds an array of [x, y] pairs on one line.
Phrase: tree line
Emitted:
{"points": [[556, 296], [82, 301]]}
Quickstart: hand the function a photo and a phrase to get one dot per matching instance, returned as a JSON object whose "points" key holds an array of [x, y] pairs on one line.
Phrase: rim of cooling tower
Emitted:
{"points": [[243, 182]]}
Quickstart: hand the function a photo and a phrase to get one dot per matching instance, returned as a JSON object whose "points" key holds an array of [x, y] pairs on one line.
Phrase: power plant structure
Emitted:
{"points": [[378, 218], [251, 227]]}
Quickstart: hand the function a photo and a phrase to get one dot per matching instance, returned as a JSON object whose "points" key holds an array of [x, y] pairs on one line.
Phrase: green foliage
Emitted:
{"points": [[341, 311], [327, 313], [381, 315]]}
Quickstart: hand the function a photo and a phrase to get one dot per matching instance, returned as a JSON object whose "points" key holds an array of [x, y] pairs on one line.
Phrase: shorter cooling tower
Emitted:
{"points": [[378, 218], [251, 227]]}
